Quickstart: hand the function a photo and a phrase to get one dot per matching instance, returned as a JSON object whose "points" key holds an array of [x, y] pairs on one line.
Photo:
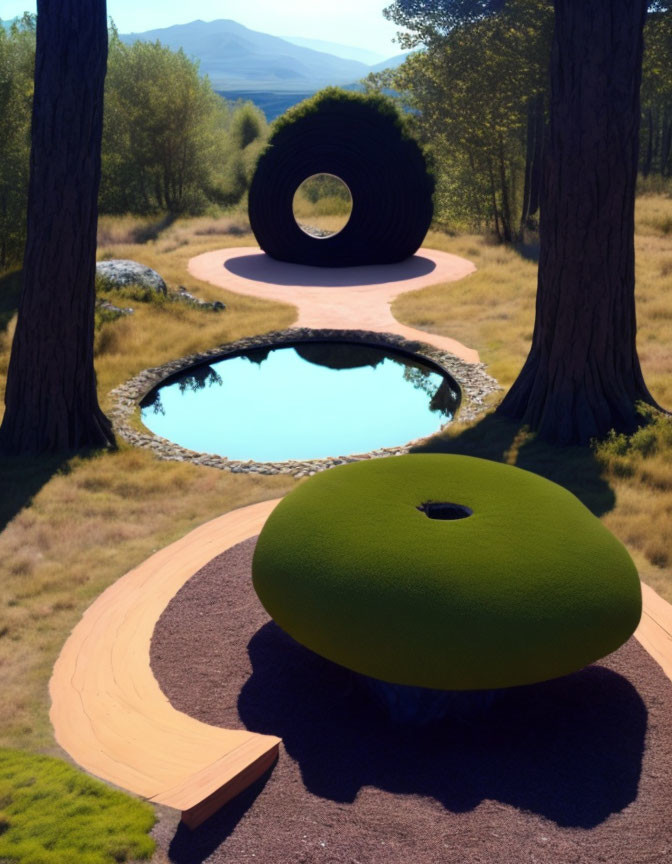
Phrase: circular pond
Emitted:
{"points": [[302, 401]]}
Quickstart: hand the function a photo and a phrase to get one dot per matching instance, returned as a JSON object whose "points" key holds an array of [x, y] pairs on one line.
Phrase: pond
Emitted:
{"points": [[302, 401]]}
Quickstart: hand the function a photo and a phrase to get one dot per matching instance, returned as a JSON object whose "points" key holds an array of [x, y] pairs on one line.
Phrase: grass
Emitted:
{"points": [[54, 814], [72, 525]]}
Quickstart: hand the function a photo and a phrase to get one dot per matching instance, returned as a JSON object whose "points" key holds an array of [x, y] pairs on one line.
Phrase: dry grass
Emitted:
{"points": [[493, 311], [73, 526]]}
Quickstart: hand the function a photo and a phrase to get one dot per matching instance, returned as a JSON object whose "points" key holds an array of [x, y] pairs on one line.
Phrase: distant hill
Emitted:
{"points": [[348, 52], [236, 58], [390, 63]]}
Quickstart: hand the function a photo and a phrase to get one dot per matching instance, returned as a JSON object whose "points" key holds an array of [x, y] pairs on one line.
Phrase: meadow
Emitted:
{"points": [[71, 525]]}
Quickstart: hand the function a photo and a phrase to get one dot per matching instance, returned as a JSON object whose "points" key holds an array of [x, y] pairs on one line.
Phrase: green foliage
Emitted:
{"points": [[17, 58], [479, 92], [165, 131], [351, 568], [55, 814], [656, 94], [336, 96], [475, 94], [654, 437], [248, 124], [170, 143]]}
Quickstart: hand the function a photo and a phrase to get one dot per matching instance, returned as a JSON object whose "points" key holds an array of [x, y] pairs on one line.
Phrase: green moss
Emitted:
{"points": [[530, 587], [334, 97], [50, 813]]}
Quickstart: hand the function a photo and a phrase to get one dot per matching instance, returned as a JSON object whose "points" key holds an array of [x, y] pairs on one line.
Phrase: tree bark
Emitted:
{"points": [[51, 401], [582, 376], [533, 160]]}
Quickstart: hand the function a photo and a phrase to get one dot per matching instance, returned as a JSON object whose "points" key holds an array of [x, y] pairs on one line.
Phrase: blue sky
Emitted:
{"points": [[350, 22]]}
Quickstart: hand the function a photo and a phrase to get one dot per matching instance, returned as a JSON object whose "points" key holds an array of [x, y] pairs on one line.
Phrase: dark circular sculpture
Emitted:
{"points": [[447, 572], [362, 140]]}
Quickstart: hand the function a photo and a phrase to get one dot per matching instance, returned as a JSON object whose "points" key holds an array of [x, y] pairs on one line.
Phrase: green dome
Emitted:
{"points": [[528, 587]]}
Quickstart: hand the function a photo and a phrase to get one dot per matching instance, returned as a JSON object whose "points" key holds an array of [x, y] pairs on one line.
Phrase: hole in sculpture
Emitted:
{"points": [[445, 510], [322, 206]]}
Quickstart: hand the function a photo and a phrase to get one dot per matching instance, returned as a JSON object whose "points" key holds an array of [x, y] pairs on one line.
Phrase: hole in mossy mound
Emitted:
{"points": [[445, 510]]}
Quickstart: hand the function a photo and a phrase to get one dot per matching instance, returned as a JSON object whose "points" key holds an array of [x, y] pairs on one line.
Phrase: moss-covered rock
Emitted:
{"points": [[527, 586], [363, 140]]}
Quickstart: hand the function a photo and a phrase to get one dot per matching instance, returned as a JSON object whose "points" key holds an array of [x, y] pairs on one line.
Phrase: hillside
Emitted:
{"points": [[236, 58]]}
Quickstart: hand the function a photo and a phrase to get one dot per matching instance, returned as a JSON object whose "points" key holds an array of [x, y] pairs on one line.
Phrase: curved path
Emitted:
{"points": [[339, 299], [108, 711]]}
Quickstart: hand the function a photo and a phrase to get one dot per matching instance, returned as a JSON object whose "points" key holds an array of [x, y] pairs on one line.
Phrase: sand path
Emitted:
{"points": [[339, 299]]}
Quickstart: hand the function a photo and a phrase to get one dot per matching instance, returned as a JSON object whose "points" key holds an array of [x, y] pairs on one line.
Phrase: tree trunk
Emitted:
{"points": [[533, 160], [648, 157], [582, 376], [507, 226], [51, 388]]}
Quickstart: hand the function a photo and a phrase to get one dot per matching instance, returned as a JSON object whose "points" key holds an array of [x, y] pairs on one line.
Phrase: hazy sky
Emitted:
{"points": [[350, 22]]}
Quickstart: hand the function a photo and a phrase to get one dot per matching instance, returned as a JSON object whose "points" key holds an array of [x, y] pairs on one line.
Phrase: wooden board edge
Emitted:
{"points": [[196, 815]]}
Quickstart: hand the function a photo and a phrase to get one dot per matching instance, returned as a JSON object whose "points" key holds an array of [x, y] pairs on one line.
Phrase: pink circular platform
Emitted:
{"points": [[337, 298]]}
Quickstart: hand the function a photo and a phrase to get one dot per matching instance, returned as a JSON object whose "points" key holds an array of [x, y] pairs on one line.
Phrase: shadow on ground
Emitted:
{"points": [[502, 440], [21, 478], [260, 267], [569, 749]]}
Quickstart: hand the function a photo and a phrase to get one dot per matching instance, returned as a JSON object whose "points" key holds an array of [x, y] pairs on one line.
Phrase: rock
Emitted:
{"points": [[188, 297], [112, 310], [120, 273]]}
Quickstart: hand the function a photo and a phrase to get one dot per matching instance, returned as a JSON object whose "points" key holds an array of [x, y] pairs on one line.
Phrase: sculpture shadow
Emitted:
{"points": [[569, 750], [503, 440], [260, 267]]}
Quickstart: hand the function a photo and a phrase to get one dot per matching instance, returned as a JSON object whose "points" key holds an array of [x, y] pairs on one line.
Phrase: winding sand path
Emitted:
{"points": [[341, 299], [108, 711]]}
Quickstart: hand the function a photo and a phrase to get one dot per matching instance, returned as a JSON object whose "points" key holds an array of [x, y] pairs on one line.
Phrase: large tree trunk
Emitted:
{"points": [[582, 376], [51, 389]]}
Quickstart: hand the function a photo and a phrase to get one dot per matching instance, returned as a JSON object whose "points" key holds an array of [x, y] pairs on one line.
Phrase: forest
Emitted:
{"points": [[170, 143]]}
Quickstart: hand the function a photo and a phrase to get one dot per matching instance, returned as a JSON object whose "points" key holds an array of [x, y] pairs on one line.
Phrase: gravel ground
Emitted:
{"points": [[574, 771]]}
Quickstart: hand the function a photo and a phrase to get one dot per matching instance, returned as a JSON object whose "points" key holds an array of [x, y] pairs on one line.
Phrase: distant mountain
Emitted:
{"points": [[348, 52], [236, 58], [390, 63]]}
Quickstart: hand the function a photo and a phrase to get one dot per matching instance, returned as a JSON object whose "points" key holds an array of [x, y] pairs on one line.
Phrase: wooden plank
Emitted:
{"points": [[655, 629], [108, 711]]}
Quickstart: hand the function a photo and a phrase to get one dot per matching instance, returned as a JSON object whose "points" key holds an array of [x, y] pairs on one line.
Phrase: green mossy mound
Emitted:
{"points": [[529, 587]]}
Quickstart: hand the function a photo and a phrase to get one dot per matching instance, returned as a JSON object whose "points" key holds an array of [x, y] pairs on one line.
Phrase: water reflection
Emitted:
{"points": [[319, 399]]}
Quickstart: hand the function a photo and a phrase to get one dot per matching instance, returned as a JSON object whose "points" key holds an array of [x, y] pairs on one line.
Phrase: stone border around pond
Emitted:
{"points": [[474, 382]]}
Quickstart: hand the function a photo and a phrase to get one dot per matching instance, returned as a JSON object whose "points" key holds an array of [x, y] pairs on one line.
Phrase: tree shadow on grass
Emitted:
{"points": [[502, 440], [21, 478]]}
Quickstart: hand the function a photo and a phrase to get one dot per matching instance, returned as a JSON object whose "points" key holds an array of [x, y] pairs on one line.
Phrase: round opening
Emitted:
{"points": [[445, 510], [322, 205]]}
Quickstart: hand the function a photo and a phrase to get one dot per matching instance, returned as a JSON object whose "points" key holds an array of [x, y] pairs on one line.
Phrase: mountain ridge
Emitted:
{"points": [[237, 58]]}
